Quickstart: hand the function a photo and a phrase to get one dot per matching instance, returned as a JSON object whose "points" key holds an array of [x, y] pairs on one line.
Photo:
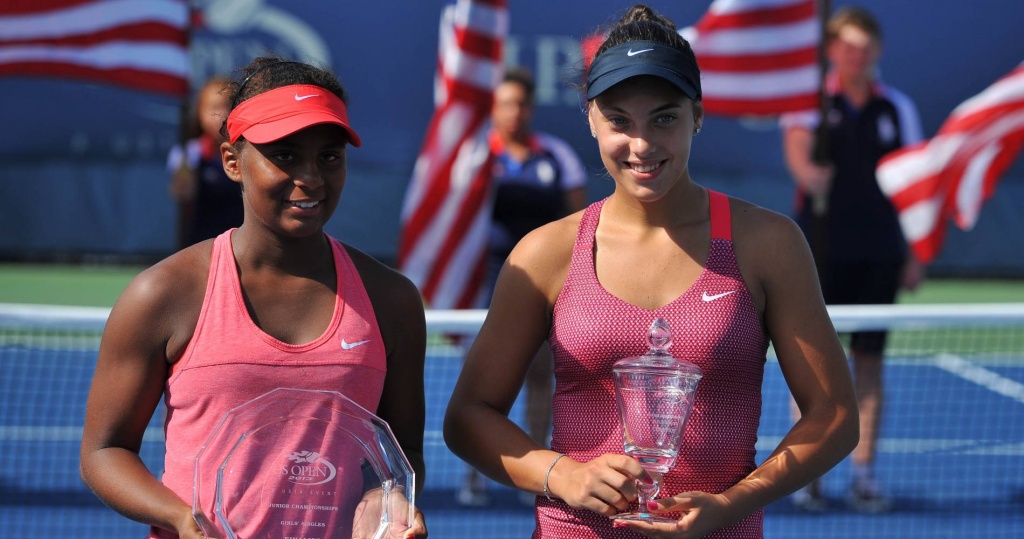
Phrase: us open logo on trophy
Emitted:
{"points": [[309, 468], [304, 464]]}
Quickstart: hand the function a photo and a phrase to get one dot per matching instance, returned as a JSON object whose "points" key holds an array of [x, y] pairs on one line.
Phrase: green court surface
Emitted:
{"points": [[55, 284], [99, 286]]}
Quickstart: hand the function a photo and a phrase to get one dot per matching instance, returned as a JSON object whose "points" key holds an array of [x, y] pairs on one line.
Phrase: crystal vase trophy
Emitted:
{"points": [[297, 463], [654, 394]]}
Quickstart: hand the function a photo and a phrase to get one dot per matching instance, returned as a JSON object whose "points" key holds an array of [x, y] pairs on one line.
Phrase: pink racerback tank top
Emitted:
{"points": [[714, 324], [230, 361]]}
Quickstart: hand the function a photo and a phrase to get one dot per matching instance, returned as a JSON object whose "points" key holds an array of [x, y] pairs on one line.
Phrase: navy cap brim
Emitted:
{"points": [[640, 58], [606, 81]]}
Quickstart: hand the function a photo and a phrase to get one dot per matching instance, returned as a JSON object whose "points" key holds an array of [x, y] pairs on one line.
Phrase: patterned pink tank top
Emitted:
{"points": [[230, 361], [714, 324]]}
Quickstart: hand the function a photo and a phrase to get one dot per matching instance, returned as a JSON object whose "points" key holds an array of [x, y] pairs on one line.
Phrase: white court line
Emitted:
{"points": [[918, 446], [1001, 450], [983, 377]]}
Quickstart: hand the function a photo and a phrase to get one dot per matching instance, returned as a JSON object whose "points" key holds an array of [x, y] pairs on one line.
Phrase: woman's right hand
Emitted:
{"points": [[605, 485]]}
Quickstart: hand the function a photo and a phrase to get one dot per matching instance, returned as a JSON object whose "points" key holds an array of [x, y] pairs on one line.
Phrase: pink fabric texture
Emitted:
{"points": [[230, 361]]}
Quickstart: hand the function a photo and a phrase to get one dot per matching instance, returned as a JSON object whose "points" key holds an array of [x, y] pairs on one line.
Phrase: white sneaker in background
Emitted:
{"points": [[473, 492], [866, 496], [809, 499]]}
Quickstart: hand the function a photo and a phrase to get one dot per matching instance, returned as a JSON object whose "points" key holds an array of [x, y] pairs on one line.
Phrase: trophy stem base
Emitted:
{"points": [[642, 517]]}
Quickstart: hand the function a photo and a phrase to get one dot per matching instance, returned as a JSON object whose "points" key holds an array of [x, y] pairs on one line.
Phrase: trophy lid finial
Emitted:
{"points": [[659, 337], [658, 357]]}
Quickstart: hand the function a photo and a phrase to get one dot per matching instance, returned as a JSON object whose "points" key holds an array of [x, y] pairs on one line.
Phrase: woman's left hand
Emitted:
{"points": [[419, 527], [366, 522], [702, 513]]}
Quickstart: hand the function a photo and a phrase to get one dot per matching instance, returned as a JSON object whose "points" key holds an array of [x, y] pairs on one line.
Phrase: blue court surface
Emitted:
{"points": [[952, 454]]}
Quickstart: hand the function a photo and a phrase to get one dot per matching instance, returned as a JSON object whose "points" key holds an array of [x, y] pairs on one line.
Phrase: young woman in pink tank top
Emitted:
{"points": [[273, 303], [727, 275]]}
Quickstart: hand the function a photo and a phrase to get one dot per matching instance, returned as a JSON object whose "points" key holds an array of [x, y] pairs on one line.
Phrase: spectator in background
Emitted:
{"points": [[208, 201], [852, 227], [538, 178]]}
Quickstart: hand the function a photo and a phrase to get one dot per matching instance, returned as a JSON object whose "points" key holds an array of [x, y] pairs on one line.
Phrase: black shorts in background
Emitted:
{"points": [[862, 283]]}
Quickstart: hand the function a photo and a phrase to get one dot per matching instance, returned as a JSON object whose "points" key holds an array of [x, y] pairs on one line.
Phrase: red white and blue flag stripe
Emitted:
{"points": [[141, 44], [758, 57], [447, 207], [952, 174]]}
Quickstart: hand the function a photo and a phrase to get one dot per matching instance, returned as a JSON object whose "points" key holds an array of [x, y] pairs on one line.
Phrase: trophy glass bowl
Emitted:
{"points": [[654, 395], [303, 463]]}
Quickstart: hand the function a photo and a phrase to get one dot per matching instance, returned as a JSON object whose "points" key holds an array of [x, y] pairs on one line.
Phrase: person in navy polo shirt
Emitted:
{"points": [[853, 228]]}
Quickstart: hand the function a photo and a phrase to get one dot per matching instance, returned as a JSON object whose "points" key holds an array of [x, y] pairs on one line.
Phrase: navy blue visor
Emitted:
{"points": [[637, 58]]}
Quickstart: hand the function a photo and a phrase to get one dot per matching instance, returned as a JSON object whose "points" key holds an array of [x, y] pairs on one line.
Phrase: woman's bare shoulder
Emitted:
{"points": [[552, 242], [753, 222], [379, 278], [175, 281], [165, 299], [397, 303], [545, 254], [767, 243]]}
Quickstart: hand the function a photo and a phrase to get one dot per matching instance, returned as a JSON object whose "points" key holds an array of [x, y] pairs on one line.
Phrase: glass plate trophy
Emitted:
{"points": [[297, 463], [654, 394]]}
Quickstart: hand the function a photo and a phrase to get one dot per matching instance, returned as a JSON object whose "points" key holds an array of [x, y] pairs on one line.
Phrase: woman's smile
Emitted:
{"points": [[645, 171]]}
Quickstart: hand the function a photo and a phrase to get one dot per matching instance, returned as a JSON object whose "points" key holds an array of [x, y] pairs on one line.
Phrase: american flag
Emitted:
{"points": [[446, 213], [954, 173], [758, 57], [140, 44]]}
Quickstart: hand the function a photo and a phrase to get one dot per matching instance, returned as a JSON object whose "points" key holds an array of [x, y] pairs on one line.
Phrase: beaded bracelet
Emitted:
{"points": [[547, 474]]}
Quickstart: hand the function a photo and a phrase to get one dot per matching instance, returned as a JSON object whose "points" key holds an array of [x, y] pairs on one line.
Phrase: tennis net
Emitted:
{"points": [[951, 451]]}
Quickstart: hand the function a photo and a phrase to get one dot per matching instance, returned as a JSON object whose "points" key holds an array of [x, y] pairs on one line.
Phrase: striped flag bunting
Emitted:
{"points": [[447, 207], [140, 44], [951, 175], [758, 57]]}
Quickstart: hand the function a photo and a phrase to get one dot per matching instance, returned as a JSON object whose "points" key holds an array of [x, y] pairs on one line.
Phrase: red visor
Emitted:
{"points": [[282, 111]]}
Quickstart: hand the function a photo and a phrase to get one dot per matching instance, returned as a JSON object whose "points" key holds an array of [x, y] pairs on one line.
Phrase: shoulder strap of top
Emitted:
{"points": [[222, 266], [588, 226], [721, 218]]}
